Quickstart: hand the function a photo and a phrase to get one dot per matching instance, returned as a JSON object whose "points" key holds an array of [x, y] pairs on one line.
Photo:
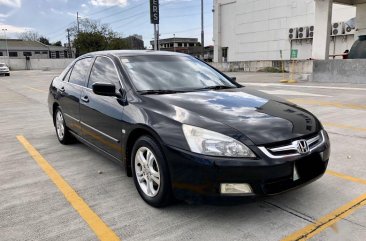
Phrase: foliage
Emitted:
{"points": [[94, 36], [44, 40], [58, 43]]}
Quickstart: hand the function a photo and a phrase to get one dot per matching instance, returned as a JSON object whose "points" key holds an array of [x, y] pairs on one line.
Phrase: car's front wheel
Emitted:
{"points": [[150, 172], [63, 134]]}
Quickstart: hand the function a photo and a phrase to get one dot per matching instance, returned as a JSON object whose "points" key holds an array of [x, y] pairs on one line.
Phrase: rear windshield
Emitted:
{"points": [[165, 72]]}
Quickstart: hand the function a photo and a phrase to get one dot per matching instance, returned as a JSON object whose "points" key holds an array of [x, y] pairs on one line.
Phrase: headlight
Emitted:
{"points": [[211, 143]]}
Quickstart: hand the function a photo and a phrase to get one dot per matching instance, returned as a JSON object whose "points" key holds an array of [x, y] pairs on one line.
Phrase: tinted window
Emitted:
{"points": [[104, 71], [172, 73], [80, 71]]}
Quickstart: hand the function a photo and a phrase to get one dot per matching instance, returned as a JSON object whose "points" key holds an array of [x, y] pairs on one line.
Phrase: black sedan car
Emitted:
{"points": [[183, 129]]}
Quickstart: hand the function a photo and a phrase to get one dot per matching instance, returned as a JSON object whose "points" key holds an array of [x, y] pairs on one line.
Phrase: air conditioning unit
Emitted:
{"points": [[293, 33], [303, 32], [349, 30], [311, 32], [337, 28]]}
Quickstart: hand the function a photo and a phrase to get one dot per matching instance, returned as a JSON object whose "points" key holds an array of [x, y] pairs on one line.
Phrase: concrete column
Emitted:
{"points": [[323, 22], [217, 32], [360, 20]]}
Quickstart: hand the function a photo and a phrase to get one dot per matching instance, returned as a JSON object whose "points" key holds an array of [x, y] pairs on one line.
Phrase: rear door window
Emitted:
{"points": [[80, 71]]}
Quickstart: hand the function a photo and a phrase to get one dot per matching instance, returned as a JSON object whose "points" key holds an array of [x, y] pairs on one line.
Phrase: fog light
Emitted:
{"points": [[235, 188]]}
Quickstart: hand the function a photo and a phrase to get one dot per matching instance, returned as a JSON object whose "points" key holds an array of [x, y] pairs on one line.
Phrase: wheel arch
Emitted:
{"points": [[133, 136]]}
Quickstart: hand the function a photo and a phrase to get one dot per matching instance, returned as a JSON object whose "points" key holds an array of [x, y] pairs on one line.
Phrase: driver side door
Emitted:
{"points": [[101, 116]]}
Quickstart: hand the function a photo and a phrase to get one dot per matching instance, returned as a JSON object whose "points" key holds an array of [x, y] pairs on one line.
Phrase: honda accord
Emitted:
{"points": [[184, 130]]}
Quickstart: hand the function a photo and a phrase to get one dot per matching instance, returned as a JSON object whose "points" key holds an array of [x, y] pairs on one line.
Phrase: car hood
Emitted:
{"points": [[260, 117]]}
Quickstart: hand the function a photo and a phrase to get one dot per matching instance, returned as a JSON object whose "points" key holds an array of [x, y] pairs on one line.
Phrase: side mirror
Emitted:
{"points": [[105, 89]]}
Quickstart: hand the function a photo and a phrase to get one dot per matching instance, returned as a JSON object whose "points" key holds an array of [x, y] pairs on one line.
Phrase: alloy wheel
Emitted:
{"points": [[147, 171], [60, 125]]}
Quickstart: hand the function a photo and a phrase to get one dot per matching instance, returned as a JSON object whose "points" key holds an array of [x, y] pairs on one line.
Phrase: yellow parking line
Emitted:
{"points": [[328, 104], [102, 231], [36, 89], [346, 177], [355, 128], [328, 220]]}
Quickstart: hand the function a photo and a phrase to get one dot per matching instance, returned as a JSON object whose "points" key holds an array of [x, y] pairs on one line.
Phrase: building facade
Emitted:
{"points": [[21, 49], [182, 45], [135, 41], [248, 30]]}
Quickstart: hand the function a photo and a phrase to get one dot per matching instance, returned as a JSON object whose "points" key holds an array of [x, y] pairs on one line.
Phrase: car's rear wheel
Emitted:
{"points": [[150, 172], [63, 134]]}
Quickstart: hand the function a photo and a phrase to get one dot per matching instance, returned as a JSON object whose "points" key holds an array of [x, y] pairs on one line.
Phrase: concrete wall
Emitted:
{"points": [[300, 67], [37, 64], [340, 71]]}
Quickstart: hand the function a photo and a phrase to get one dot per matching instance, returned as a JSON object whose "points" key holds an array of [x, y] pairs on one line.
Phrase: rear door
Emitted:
{"points": [[101, 116], [70, 92]]}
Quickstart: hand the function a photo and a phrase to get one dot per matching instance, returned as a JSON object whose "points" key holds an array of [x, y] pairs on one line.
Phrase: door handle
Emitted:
{"points": [[85, 99]]}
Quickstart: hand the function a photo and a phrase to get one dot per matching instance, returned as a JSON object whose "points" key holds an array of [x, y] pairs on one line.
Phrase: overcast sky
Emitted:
{"points": [[50, 18]]}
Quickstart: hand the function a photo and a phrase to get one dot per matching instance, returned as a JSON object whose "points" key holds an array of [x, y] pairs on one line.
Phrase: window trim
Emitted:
{"points": [[115, 67]]}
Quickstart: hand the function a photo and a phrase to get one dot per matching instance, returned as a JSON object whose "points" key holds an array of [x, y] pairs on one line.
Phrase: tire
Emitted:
{"points": [[7, 74], [154, 172], [62, 132]]}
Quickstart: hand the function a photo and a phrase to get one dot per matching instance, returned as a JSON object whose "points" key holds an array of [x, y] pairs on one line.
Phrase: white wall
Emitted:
{"points": [[258, 29], [37, 64]]}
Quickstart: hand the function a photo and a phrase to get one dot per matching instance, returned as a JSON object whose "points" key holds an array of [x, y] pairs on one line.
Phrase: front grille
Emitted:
{"points": [[292, 149]]}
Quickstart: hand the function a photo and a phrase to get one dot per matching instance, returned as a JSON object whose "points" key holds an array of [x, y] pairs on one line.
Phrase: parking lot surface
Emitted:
{"points": [[49, 191]]}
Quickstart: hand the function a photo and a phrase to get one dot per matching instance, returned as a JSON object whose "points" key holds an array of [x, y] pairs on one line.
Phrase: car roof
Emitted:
{"points": [[126, 53]]}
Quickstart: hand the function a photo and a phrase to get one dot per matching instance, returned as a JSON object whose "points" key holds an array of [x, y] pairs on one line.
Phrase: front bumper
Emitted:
{"points": [[197, 177], [4, 72]]}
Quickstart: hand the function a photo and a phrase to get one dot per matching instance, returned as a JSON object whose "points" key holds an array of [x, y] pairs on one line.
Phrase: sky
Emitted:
{"points": [[50, 18]]}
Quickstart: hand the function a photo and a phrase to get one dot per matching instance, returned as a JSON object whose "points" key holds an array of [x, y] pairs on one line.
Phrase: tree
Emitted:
{"points": [[118, 43], [44, 40], [58, 43], [29, 35], [94, 36]]}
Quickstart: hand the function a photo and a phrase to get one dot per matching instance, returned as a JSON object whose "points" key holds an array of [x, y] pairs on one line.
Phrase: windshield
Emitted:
{"points": [[179, 73], [2, 65]]}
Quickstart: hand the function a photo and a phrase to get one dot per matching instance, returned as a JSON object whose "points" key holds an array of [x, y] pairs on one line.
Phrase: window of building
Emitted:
{"points": [[13, 54], [27, 53], [191, 45], [37, 52], [104, 69], [80, 71], [179, 44], [1, 54], [44, 52]]}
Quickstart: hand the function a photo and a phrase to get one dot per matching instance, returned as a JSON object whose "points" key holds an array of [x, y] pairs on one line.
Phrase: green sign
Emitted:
{"points": [[294, 53]]}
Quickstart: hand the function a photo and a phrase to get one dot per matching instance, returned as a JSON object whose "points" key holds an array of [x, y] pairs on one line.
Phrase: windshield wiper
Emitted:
{"points": [[216, 87], [158, 92]]}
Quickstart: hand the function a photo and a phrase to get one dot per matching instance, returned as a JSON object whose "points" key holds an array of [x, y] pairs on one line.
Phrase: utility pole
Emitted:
{"points": [[68, 39], [77, 20], [6, 41], [202, 32], [174, 43]]}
